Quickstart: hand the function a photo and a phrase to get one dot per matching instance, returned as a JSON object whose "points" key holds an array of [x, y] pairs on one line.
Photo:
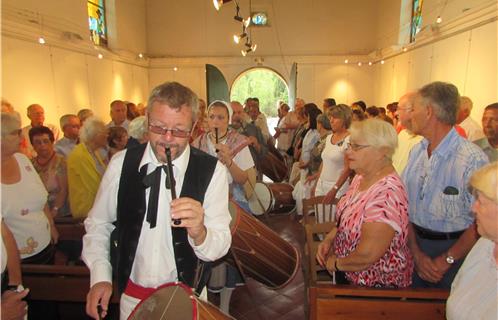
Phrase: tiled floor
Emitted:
{"points": [[256, 302]]}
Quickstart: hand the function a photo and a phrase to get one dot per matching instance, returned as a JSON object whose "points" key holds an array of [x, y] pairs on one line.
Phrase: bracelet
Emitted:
{"points": [[335, 265], [335, 187]]}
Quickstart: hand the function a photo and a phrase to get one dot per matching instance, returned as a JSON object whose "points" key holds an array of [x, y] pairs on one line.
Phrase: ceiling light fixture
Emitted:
{"points": [[41, 40], [360, 64], [346, 61], [141, 55], [237, 16], [382, 61], [439, 20], [245, 52], [236, 38], [100, 56], [405, 49], [219, 3], [370, 63], [247, 22]]}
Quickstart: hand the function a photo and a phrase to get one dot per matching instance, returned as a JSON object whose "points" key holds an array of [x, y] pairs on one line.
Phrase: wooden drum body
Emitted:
{"points": [[259, 252], [272, 198], [176, 301], [272, 167]]}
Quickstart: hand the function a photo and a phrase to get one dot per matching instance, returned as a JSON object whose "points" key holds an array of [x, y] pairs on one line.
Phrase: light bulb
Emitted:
{"points": [[346, 61], [382, 61], [439, 20], [370, 63], [100, 56], [41, 40]]}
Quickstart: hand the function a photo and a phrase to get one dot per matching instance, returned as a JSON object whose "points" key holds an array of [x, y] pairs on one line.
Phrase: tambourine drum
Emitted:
{"points": [[175, 301], [260, 253], [274, 168], [272, 198]]}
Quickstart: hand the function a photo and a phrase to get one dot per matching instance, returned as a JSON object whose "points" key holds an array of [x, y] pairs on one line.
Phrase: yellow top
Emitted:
{"points": [[83, 180]]}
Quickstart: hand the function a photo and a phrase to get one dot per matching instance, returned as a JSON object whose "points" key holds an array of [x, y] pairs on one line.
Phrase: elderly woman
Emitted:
{"points": [[24, 199], [474, 290], [232, 150], [302, 190], [117, 139], [333, 173], [137, 130], [86, 165], [370, 242], [51, 167]]}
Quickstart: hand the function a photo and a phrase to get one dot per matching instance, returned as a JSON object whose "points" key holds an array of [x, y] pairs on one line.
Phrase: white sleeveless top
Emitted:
{"points": [[22, 209]]}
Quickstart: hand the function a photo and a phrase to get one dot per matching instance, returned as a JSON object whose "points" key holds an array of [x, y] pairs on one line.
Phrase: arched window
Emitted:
{"points": [[265, 84], [96, 21]]}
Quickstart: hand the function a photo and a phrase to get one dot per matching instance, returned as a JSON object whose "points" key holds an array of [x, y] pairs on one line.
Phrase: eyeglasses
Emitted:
{"points": [[356, 147], [174, 132]]}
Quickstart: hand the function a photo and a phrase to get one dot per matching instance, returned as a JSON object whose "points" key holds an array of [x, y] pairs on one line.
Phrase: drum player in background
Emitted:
{"points": [[232, 150], [134, 204]]}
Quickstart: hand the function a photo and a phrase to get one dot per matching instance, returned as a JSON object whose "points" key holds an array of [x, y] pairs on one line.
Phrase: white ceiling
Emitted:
{"points": [[191, 28]]}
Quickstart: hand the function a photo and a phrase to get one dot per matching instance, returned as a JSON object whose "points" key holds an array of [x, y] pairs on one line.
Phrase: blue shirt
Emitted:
{"points": [[437, 187], [64, 146]]}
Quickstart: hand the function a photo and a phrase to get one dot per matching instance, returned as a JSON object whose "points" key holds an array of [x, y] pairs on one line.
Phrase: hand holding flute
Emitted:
{"points": [[186, 212]]}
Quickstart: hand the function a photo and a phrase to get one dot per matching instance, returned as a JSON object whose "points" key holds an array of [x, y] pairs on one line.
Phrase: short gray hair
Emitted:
{"points": [[175, 95], [91, 127], [341, 111], [444, 98], [376, 133], [138, 127], [64, 120], [10, 122]]}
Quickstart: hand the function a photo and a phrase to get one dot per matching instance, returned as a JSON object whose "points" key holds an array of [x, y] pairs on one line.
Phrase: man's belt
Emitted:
{"points": [[436, 235]]}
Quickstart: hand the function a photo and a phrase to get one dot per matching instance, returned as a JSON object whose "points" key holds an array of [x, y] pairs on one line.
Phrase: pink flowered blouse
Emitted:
{"points": [[385, 201]]}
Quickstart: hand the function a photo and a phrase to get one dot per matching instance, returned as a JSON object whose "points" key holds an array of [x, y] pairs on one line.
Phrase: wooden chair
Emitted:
{"points": [[315, 205], [355, 303], [317, 274]]}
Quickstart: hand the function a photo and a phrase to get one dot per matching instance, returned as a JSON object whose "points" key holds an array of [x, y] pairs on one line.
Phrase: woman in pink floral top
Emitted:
{"points": [[370, 242]]}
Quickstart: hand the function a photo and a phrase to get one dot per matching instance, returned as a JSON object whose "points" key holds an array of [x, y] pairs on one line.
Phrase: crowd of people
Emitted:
{"points": [[401, 174]]}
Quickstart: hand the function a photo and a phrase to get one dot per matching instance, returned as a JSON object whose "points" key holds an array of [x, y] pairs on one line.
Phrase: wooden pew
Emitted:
{"points": [[350, 302], [57, 283], [330, 301], [70, 229]]}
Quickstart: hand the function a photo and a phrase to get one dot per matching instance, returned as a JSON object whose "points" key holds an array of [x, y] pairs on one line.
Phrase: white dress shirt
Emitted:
{"points": [[154, 262]]}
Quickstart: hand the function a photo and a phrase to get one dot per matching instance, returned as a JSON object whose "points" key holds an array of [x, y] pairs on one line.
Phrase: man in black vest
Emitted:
{"points": [[133, 219]]}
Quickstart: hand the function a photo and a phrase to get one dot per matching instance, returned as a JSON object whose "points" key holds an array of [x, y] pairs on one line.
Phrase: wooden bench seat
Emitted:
{"points": [[350, 302]]}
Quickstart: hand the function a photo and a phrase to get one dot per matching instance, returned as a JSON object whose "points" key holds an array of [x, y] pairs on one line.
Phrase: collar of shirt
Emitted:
{"points": [[448, 143], [179, 164]]}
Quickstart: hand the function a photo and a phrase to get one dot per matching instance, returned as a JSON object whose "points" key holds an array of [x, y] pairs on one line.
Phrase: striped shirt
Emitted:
{"points": [[438, 194]]}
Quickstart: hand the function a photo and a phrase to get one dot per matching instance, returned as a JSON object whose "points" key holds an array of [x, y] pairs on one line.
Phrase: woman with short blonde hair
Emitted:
{"points": [[474, 289]]}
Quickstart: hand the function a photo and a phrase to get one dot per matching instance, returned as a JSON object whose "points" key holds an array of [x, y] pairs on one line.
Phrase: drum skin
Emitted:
{"points": [[175, 301], [272, 198], [260, 252]]}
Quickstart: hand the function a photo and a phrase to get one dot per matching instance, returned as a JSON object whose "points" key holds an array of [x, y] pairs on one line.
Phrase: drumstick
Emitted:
{"points": [[172, 182]]}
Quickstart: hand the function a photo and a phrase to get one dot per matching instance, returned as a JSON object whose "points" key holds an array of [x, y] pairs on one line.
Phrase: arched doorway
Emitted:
{"points": [[265, 84]]}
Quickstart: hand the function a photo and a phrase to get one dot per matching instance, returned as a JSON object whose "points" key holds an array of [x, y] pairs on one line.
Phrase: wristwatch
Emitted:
{"points": [[450, 259]]}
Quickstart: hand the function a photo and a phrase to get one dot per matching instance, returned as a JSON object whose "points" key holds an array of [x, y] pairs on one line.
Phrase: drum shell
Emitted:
{"points": [[176, 301], [260, 252], [274, 168], [272, 198]]}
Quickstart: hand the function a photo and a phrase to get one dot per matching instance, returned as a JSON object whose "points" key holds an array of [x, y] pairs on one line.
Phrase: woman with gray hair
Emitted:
{"points": [[474, 289], [137, 129], [333, 172], [369, 244], [27, 216], [86, 165]]}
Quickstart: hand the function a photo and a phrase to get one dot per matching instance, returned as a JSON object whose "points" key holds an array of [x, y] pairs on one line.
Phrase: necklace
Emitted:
{"points": [[43, 164], [370, 180]]}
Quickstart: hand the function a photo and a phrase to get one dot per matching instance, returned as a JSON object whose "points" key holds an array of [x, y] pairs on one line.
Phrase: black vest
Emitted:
{"points": [[131, 211]]}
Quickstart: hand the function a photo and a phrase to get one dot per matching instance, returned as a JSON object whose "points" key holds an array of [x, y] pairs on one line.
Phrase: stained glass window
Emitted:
{"points": [[96, 21], [416, 19]]}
